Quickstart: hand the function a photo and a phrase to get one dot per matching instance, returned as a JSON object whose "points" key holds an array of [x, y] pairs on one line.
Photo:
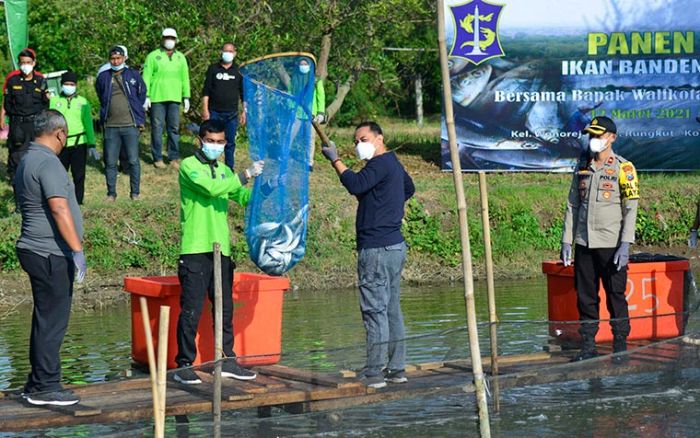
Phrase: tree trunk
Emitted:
{"points": [[322, 66], [419, 99], [343, 91]]}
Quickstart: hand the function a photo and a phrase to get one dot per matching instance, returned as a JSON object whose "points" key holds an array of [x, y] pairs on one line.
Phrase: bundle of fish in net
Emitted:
{"points": [[278, 92]]}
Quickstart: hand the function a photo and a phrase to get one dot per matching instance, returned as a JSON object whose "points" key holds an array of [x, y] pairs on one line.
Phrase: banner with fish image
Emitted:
{"points": [[278, 92], [528, 75]]}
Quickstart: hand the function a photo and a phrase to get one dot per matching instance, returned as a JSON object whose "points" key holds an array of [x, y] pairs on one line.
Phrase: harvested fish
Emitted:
{"points": [[544, 121], [467, 86], [277, 246]]}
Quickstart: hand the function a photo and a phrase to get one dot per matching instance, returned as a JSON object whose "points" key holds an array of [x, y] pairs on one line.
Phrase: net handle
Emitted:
{"points": [[321, 134]]}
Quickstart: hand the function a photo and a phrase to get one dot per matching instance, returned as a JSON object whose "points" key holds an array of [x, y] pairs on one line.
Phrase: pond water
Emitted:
{"points": [[323, 331]]}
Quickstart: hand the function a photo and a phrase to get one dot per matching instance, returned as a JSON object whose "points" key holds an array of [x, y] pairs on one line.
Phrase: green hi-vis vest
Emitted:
{"points": [[204, 198], [76, 110], [167, 78]]}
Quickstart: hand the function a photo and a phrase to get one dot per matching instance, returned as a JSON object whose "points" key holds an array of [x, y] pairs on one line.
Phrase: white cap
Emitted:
{"points": [[169, 32], [126, 52]]}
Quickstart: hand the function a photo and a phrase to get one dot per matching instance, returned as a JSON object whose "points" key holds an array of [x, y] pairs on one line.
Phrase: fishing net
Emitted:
{"points": [[279, 93]]}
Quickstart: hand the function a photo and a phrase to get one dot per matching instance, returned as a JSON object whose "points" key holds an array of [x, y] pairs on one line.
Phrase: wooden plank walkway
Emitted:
{"points": [[299, 391]]}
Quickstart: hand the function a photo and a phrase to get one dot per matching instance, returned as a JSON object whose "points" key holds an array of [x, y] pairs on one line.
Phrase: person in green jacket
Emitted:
{"points": [[206, 187], [81, 135], [167, 80], [298, 81]]}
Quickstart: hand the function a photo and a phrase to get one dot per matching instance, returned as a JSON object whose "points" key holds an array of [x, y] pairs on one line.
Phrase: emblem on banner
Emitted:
{"points": [[476, 31]]}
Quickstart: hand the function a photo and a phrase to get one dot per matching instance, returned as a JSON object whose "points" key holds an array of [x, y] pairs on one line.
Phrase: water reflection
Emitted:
{"points": [[323, 331]]}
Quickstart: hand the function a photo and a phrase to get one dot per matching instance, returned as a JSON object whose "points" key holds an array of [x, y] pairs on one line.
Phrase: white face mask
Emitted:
{"points": [[169, 44], [597, 145], [68, 90], [365, 150], [26, 68], [212, 150], [304, 68], [227, 57]]}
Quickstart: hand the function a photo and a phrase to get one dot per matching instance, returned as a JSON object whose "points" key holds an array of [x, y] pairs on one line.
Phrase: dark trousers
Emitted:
{"points": [[74, 159], [52, 289], [196, 274], [116, 139], [18, 138], [590, 267], [165, 115]]}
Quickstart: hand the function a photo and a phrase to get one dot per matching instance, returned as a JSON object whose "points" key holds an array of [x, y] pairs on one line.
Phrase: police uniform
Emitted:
{"points": [[24, 99], [601, 213]]}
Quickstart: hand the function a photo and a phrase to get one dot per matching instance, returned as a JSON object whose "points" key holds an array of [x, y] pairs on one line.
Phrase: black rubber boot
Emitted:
{"points": [[619, 346], [588, 350]]}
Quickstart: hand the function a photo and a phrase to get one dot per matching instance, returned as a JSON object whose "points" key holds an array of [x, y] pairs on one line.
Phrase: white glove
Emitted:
{"points": [[94, 154], [147, 104], [255, 169], [693, 239], [186, 105]]}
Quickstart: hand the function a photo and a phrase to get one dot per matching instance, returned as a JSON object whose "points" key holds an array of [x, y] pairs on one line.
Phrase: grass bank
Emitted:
{"points": [[128, 238]]}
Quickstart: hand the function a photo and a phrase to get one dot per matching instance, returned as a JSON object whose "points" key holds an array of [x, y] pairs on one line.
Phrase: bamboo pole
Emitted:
{"points": [[162, 363], [153, 374], [218, 340], [493, 318], [479, 382]]}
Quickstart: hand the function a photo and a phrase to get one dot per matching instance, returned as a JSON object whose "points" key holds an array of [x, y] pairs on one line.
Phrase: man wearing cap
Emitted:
{"points": [[223, 88], [600, 218], [81, 135], [122, 93], [167, 80], [123, 158], [25, 95]]}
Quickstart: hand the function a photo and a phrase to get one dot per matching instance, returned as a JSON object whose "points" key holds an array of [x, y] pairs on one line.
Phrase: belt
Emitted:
{"points": [[23, 118]]}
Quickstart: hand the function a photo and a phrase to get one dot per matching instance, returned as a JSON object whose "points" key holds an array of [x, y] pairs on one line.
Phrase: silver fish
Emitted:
{"points": [[544, 121], [467, 86], [276, 244], [532, 160]]}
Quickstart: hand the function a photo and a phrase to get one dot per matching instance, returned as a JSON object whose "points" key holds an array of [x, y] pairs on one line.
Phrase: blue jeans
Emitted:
{"points": [[165, 114], [114, 139], [379, 272], [230, 118]]}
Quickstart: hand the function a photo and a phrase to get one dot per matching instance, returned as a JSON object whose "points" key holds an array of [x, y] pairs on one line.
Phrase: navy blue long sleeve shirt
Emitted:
{"points": [[382, 188]]}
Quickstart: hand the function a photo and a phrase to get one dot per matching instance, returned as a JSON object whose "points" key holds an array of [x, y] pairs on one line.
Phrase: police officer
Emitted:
{"points": [[26, 95], [600, 219]]}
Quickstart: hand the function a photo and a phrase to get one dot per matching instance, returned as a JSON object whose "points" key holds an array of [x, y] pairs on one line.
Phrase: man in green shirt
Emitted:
{"points": [[206, 186], [167, 80], [81, 135]]}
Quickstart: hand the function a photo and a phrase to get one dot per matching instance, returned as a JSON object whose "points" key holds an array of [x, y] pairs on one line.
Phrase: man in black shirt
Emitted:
{"points": [[223, 88], [26, 95]]}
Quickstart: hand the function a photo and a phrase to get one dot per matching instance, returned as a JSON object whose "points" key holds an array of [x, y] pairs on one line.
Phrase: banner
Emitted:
{"points": [[16, 21], [528, 75]]}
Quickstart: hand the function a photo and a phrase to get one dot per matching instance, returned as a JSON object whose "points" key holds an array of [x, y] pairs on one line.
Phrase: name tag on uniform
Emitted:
{"points": [[225, 77]]}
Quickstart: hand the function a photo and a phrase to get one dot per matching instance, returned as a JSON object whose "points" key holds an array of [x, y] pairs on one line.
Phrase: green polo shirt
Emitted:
{"points": [[205, 191], [167, 78], [76, 111]]}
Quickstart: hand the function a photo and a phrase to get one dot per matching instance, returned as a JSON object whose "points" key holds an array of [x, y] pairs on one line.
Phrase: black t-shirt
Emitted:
{"points": [[224, 86], [26, 97]]}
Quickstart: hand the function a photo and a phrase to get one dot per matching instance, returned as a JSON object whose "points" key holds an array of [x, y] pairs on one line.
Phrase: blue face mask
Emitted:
{"points": [[118, 67], [212, 150]]}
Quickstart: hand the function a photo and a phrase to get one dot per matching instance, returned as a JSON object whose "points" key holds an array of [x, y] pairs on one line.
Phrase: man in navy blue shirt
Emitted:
{"points": [[382, 188]]}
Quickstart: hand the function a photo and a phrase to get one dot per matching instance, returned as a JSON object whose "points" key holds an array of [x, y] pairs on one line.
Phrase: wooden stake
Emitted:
{"points": [[218, 340], [479, 383], [162, 363], [153, 374], [493, 318]]}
